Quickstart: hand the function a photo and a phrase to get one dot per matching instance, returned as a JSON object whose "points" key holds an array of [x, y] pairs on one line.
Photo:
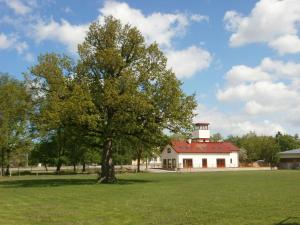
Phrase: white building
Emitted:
{"points": [[199, 152]]}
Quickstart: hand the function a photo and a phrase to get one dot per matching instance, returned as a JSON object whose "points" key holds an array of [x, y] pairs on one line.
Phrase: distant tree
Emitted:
{"points": [[269, 149], [178, 137], [45, 152], [243, 155], [216, 137], [287, 142], [254, 147], [15, 108]]}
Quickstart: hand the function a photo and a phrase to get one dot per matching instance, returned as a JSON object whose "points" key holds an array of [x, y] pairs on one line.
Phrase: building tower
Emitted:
{"points": [[201, 133]]}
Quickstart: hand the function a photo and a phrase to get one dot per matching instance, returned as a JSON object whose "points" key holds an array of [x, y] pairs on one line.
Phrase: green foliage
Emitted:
{"points": [[216, 137], [15, 108], [287, 142], [61, 104], [254, 147]]}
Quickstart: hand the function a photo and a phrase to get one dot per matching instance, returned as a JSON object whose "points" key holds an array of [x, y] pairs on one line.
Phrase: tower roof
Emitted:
{"points": [[201, 123]]}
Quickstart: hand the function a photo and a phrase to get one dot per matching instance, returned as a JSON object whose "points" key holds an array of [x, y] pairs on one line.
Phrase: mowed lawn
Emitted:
{"points": [[252, 197]]}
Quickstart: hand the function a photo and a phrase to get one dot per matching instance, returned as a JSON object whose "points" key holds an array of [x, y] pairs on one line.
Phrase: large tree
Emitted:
{"points": [[131, 87]]}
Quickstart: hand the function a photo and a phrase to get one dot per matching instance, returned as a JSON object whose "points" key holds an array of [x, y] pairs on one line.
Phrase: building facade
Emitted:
{"points": [[289, 159], [200, 152]]}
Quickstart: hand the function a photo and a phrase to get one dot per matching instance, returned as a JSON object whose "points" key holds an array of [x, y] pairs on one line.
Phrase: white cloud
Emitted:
{"points": [[5, 42], [64, 32], [185, 63], [286, 44], [280, 69], [18, 6], [199, 18], [270, 89], [274, 22], [235, 124], [159, 27], [21, 47], [232, 20], [12, 42], [67, 10], [242, 73], [9, 42]]}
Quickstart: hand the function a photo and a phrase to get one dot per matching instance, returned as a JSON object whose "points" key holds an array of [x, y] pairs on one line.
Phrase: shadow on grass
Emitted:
{"points": [[290, 221], [62, 182], [133, 181], [46, 182]]}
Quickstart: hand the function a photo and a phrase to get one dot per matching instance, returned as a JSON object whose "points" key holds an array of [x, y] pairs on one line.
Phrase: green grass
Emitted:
{"points": [[252, 197]]}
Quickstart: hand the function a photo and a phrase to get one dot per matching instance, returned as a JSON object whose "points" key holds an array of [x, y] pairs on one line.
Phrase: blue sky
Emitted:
{"points": [[241, 58]]}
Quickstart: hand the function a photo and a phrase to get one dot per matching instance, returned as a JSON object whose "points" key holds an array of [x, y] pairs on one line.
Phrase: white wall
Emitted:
{"points": [[197, 158], [211, 159], [201, 134], [171, 155]]}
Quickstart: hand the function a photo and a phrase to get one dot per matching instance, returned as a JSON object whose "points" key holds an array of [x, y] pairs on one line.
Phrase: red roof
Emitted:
{"points": [[204, 147]]}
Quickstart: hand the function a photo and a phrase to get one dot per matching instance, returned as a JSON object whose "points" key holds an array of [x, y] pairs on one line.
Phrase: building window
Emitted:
{"points": [[169, 150], [230, 160]]}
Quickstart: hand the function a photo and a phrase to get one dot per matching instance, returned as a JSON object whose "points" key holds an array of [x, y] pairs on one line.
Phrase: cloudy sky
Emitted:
{"points": [[240, 58]]}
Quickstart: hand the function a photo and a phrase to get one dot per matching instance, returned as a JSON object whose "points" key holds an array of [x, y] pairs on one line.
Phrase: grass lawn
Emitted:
{"points": [[246, 197]]}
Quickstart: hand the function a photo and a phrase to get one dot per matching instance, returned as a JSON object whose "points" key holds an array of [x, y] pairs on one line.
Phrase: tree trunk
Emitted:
{"points": [[46, 167], [2, 162], [83, 167], [58, 166], [60, 150], [139, 155], [7, 172], [107, 174], [138, 163], [74, 168]]}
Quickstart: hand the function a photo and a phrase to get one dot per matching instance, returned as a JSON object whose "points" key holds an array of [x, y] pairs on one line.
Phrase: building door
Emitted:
{"points": [[204, 163], [173, 163], [220, 163], [164, 163], [187, 163]]}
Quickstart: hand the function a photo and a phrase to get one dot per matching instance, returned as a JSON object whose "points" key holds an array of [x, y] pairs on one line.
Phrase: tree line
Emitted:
{"points": [[255, 147]]}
